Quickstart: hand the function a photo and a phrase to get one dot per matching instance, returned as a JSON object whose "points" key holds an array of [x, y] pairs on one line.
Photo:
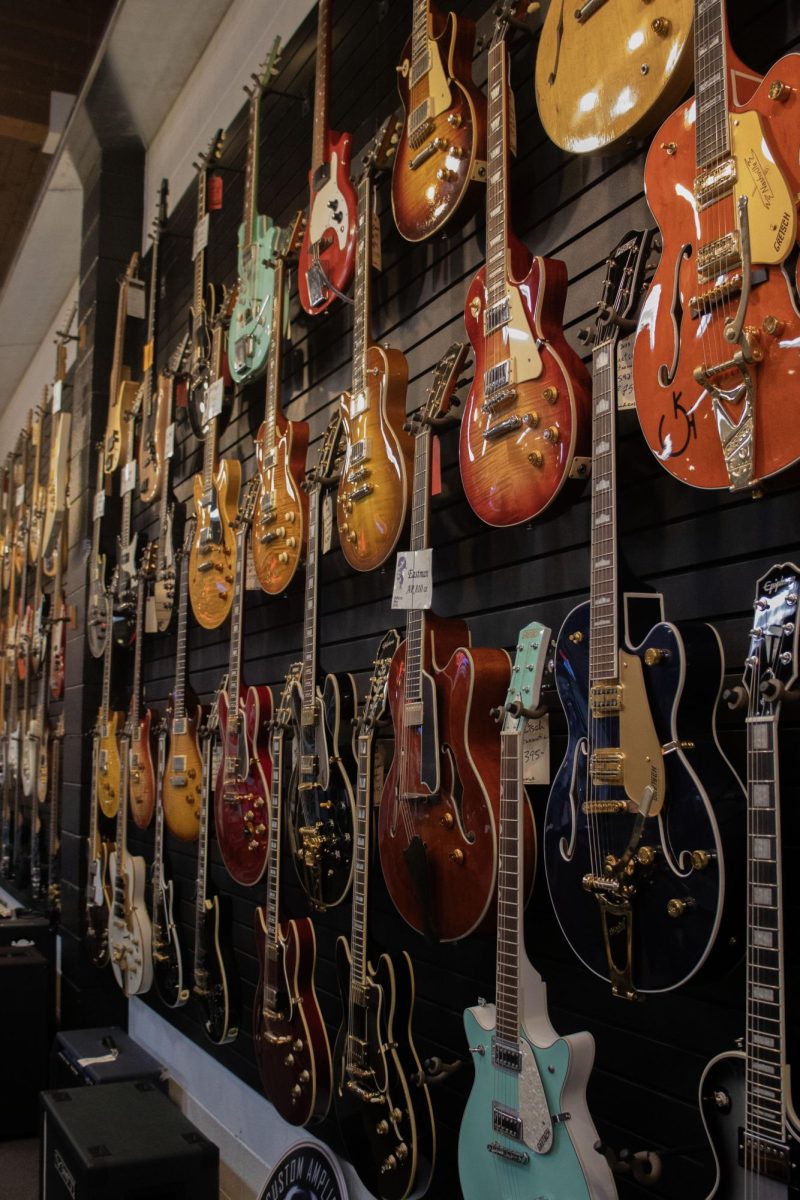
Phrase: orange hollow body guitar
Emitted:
{"points": [[441, 157], [716, 350], [526, 422]]}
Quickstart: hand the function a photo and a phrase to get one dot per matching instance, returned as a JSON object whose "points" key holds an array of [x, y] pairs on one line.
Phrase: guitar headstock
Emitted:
{"points": [[131, 270], [206, 160], [160, 219], [444, 384], [623, 286], [508, 14], [247, 505], [36, 423], [771, 666], [522, 697], [381, 150], [375, 699], [188, 532], [324, 471], [283, 713], [267, 71], [222, 316], [149, 561], [292, 236]]}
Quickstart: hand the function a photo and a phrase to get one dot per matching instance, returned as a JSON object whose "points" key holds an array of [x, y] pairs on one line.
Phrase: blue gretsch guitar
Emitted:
{"points": [[526, 1130], [745, 1096], [251, 324], [644, 829]]}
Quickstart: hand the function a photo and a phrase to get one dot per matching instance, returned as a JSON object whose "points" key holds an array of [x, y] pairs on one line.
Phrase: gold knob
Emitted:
{"points": [[772, 326], [778, 90], [576, 638], [457, 856], [382, 1127], [283, 557], [396, 1114], [676, 908], [700, 859], [296, 1091], [448, 820], [646, 856], [531, 419], [454, 119], [661, 26], [550, 394], [289, 1060], [291, 542], [670, 148], [652, 656], [456, 151], [445, 174], [551, 434], [297, 1045], [352, 537], [536, 458], [289, 517], [304, 1077]]}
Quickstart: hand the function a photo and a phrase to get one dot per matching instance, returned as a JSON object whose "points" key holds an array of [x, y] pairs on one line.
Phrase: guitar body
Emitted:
{"points": [[167, 958], [702, 811], [571, 1168], [58, 646], [242, 786], [164, 583], [280, 519], [330, 233], [251, 322], [516, 459], [451, 144], [97, 608], [123, 621], [183, 778], [29, 761], [152, 441], [722, 1107], [297, 1026], [217, 992], [372, 498], [199, 362], [98, 905], [45, 751], [129, 938], [321, 804], [56, 498], [108, 765], [142, 784], [212, 558], [113, 451], [680, 417], [370, 1128], [607, 53]]}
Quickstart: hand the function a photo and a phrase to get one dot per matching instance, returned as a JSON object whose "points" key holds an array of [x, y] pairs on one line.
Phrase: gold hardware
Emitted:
{"points": [[646, 856], [445, 174], [448, 820], [304, 1077], [396, 1114], [296, 1092], [576, 638], [653, 656], [661, 26], [604, 807], [551, 434], [291, 542], [382, 1126], [605, 699], [700, 860], [283, 557], [289, 1060], [550, 394], [297, 1045], [457, 856], [778, 90], [352, 537], [531, 419], [676, 908], [454, 119], [607, 767], [536, 458], [456, 151], [772, 326], [670, 147]]}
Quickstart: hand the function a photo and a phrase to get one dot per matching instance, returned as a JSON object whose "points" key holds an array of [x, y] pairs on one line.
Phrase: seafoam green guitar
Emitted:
{"points": [[526, 1130], [251, 324]]}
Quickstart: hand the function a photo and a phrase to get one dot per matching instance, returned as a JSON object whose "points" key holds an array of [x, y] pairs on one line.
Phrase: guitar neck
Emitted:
{"points": [[420, 33], [151, 333], [765, 1039], [510, 943], [105, 701], [603, 593], [121, 847], [94, 808], [310, 615], [234, 664], [210, 456], [415, 617], [136, 693], [363, 284], [202, 853], [361, 851], [99, 485], [158, 839], [54, 801], [179, 702], [274, 359], [200, 260], [497, 184], [712, 133], [119, 335], [321, 85]]}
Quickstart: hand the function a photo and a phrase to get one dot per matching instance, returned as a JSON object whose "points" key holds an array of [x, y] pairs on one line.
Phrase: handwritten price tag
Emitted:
{"points": [[327, 523], [57, 389], [200, 240], [413, 579], [99, 505], [625, 373], [169, 441], [128, 481], [214, 399], [136, 299], [536, 750], [19, 495]]}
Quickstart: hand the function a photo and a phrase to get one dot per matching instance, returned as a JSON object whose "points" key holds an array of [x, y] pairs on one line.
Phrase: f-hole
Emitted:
{"points": [[667, 374]]}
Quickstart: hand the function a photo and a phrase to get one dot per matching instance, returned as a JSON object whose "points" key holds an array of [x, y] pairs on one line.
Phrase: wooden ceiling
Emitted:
{"points": [[45, 46]]}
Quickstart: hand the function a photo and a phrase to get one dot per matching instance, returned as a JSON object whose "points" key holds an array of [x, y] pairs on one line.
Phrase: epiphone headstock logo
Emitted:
{"points": [[775, 585], [307, 1172], [64, 1172]]}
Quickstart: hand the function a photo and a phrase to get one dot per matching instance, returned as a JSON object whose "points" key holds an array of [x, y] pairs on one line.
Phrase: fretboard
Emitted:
{"points": [[234, 664], [419, 39], [136, 693], [509, 885], [765, 1036], [119, 332], [274, 359], [362, 292], [122, 810], [158, 841], [711, 82], [179, 710], [251, 169], [94, 827], [96, 520], [274, 860], [497, 180], [105, 699], [322, 85], [358, 931], [54, 801], [151, 333], [202, 853], [209, 456], [200, 261], [603, 598], [415, 617], [310, 613]]}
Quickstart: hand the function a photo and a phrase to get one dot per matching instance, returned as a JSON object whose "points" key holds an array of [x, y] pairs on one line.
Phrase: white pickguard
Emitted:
{"points": [[327, 200]]}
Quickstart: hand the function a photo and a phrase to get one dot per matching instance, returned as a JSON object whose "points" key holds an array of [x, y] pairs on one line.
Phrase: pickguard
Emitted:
{"points": [[328, 202]]}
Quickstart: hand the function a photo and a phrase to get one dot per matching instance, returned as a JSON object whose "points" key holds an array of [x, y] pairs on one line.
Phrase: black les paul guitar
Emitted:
{"points": [[644, 805], [745, 1096]]}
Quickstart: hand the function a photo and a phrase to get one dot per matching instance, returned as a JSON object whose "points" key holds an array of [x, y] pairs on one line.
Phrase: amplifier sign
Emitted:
{"points": [[64, 1172], [307, 1172]]}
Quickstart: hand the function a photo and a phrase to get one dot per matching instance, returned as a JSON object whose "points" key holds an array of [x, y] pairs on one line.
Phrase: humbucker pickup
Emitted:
{"points": [[772, 1160], [360, 452], [179, 762], [498, 376], [506, 1055], [711, 185], [308, 764], [506, 1121], [358, 404], [496, 316], [270, 459]]}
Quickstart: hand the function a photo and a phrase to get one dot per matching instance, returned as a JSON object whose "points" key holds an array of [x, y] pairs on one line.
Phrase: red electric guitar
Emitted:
{"points": [[525, 429], [327, 254]]}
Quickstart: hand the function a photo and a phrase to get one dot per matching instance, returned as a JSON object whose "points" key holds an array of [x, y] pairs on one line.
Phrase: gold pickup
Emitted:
{"points": [[605, 699], [721, 255], [607, 768], [715, 183]]}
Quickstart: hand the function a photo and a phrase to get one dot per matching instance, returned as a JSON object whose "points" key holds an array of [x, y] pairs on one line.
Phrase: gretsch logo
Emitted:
{"points": [[783, 229], [759, 177], [64, 1172]]}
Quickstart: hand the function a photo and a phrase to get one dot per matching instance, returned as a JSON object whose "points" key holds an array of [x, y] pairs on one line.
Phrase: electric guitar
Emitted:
{"points": [[525, 428], [607, 73], [279, 521], [321, 807], [241, 792], [57, 622], [372, 497], [37, 491], [109, 727], [291, 1042], [123, 580], [327, 253], [440, 166], [155, 411], [386, 1122], [182, 789], [165, 943], [22, 515], [97, 624], [745, 1095], [164, 582], [253, 324], [6, 521], [35, 737], [201, 371], [215, 984], [643, 840], [129, 930], [58, 474], [714, 357], [142, 721], [437, 830], [516, 1138], [122, 389], [30, 643], [216, 496], [98, 897], [54, 820]]}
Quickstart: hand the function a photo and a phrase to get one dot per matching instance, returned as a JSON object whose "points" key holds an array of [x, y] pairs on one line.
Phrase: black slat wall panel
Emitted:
{"points": [[703, 551]]}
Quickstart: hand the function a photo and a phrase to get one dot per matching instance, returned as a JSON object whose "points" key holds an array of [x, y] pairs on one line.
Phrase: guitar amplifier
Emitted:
{"points": [[123, 1141], [24, 1026], [106, 1055]]}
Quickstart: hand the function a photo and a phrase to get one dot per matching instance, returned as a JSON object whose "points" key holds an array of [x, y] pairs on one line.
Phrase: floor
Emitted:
{"points": [[19, 1169]]}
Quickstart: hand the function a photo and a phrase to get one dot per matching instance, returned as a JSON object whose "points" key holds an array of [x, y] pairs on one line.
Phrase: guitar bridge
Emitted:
{"points": [[515, 1156]]}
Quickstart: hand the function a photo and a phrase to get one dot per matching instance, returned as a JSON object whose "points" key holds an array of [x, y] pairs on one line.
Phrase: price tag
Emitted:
{"points": [[214, 399], [327, 522], [625, 398], [150, 621], [413, 579], [536, 750], [57, 390], [19, 495], [99, 504], [128, 482], [216, 758], [251, 579], [169, 441], [200, 240], [135, 306]]}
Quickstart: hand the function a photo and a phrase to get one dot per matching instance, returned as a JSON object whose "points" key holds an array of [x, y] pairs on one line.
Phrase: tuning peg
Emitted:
{"points": [[735, 697], [585, 336]]}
